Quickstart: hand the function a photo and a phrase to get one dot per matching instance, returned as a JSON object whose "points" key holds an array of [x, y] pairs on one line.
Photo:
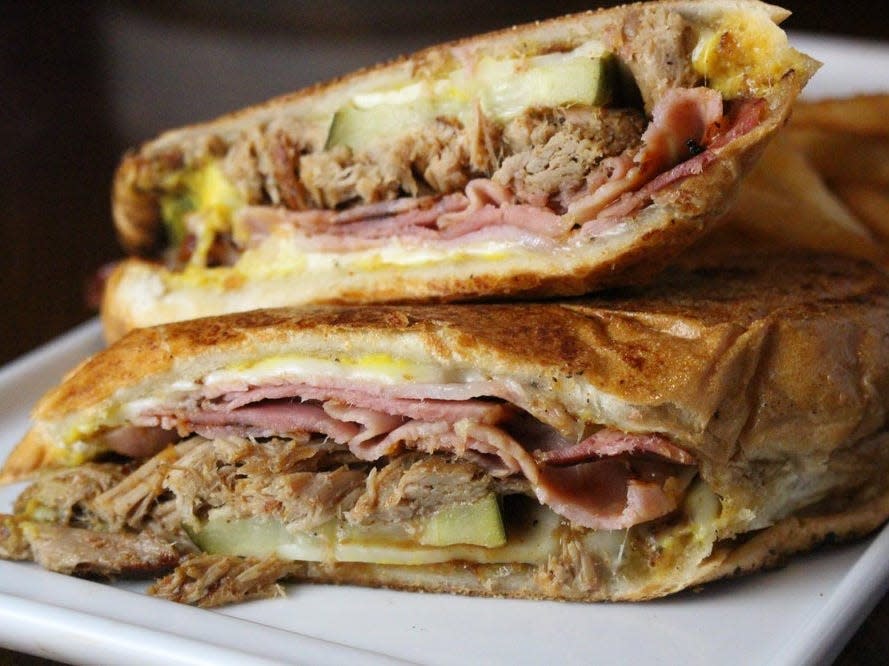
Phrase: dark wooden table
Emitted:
{"points": [[60, 144]]}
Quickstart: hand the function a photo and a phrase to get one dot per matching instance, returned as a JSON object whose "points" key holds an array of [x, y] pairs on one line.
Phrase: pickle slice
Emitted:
{"points": [[504, 88], [477, 524], [259, 538]]}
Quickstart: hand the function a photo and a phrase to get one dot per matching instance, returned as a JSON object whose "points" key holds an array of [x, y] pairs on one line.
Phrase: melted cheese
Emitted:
{"points": [[77, 451], [74, 447], [379, 368], [741, 55], [281, 256], [339, 543]]}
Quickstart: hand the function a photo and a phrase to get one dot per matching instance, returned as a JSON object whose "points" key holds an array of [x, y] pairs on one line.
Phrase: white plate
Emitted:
{"points": [[803, 613]]}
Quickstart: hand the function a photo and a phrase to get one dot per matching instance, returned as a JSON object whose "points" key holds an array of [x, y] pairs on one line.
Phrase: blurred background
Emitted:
{"points": [[80, 82]]}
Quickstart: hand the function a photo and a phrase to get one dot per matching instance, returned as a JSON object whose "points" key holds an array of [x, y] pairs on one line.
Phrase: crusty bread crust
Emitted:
{"points": [[144, 293], [762, 355]]}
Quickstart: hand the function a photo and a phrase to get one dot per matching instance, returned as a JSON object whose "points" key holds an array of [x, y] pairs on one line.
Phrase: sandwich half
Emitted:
{"points": [[546, 159], [620, 447]]}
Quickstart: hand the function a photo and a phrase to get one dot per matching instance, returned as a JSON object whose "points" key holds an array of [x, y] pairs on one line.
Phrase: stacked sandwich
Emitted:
{"points": [[652, 421]]}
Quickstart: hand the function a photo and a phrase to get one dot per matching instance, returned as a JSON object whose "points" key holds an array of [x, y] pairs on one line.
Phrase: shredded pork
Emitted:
{"points": [[573, 567], [215, 580], [413, 485], [284, 479], [544, 154], [66, 496], [555, 152]]}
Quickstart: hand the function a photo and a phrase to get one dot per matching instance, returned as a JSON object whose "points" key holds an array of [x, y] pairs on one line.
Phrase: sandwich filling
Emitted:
{"points": [[360, 466], [475, 154], [377, 407]]}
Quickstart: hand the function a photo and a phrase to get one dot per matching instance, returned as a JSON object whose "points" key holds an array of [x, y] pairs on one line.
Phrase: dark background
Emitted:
{"points": [[80, 82]]}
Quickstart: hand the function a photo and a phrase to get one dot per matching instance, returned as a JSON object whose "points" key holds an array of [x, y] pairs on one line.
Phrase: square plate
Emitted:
{"points": [[803, 613]]}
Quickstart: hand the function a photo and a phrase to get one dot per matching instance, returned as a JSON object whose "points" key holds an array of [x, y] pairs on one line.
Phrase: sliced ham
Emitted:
{"points": [[616, 175], [747, 116], [601, 495], [230, 394], [480, 193], [260, 221], [607, 442], [538, 221], [138, 441], [608, 480], [519, 224], [373, 423], [410, 435], [744, 117], [272, 417], [682, 121], [431, 409], [395, 207]]}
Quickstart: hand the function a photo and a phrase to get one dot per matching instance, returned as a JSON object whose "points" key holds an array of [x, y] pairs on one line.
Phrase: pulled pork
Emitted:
{"points": [[215, 580], [66, 496], [104, 519], [554, 152], [414, 485], [542, 153]]}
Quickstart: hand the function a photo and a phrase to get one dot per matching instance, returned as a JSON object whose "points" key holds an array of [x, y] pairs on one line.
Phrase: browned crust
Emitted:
{"points": [[775, 354], [742, 295]]}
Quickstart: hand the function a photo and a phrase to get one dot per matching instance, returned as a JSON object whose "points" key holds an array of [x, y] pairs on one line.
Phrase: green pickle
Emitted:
{"points": [[250, 537], [503, 88], [477, 524]]}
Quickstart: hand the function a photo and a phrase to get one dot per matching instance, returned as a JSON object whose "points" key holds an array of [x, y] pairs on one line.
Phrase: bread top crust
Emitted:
{"points": [[773, 354]]}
